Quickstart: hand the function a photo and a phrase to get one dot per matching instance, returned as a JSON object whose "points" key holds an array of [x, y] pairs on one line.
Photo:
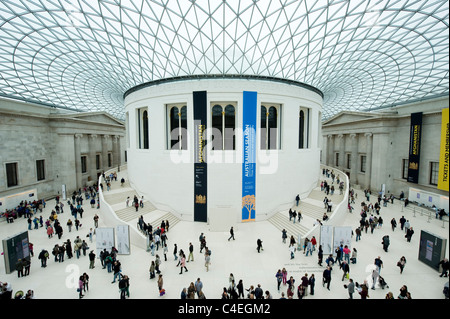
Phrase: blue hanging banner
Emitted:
{"points": [[249, 156]]}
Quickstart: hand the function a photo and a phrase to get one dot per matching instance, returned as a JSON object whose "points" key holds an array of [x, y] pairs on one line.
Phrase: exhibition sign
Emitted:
{"points": [[414, 147]]}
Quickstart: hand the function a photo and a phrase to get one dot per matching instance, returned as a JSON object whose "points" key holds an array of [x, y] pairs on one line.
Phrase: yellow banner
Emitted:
{"points": [[443, 158]]}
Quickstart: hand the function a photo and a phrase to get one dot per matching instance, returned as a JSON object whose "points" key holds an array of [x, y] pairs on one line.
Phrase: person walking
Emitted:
{"points": [[379, 263], [183, 263], [207, 261], [259, 245], [346, 269], [327, 277], [401, 263], [409, 233], [231, 233], [43, 256]]}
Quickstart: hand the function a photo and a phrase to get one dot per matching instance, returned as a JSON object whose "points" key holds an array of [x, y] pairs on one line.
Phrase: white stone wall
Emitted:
{"points": [[166, 177]]}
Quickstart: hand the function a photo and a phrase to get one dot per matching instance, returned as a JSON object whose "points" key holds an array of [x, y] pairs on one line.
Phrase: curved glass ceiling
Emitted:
{"points": [[363, 55]]}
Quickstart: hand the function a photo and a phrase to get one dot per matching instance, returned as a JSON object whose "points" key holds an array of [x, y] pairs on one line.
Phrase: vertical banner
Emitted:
{"points": [[104, 239], [249, 156], [200, 165], [414, 147], [443, 157]]}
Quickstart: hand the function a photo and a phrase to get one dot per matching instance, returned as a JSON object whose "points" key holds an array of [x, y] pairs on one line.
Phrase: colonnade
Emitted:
{"points": [[91, 160], [343, 152]]}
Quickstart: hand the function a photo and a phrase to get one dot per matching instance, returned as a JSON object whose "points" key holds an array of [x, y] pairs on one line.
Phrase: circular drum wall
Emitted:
{"points": [[223, 150]]}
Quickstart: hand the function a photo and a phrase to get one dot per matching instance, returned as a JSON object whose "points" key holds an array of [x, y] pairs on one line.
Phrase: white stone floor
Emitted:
{"points": [[59, 280]]}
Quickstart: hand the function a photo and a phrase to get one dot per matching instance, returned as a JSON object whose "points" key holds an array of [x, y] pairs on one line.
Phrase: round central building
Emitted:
{"points": [[223, 149]]}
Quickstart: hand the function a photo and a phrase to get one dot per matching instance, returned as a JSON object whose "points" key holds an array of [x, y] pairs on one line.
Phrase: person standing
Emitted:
{"points": [[207, 261], [279, 276], [385, 242], [445, 264], [312, 283], [175, 250], [191, 252], [80, 287], [157, 264], [297, 199], [198, 287], [182, 263], [43, 256], [231, 233], [160, 285], [91, 260], [284, 235], [351, 288], [394, 224], [379, 263]]}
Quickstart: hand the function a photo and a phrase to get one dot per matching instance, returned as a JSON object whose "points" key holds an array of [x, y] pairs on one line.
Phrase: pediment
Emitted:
{"points": [[349, 117]]}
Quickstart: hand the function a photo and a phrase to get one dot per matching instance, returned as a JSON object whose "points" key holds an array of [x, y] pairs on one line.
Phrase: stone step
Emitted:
{"points": [[119, 197], [281, 221], [129, 213]]}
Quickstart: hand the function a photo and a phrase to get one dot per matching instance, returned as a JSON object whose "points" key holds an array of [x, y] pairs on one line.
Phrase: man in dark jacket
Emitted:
{"points": [[327, 277]]}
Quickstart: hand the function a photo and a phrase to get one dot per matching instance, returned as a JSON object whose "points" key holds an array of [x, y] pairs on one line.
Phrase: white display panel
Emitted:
{"points": [[123, 239]]}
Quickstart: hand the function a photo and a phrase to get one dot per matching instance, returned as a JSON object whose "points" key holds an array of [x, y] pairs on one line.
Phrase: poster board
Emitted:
{"points": [[342, 236], [326, 239], [104, 237], [14, 248], [123, 239]]}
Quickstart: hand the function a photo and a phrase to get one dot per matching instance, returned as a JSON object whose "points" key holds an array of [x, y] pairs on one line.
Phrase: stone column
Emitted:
{"points": [[342, 152], [92, 157], [369, 143], [330, 150], [354, 159], [78, 159], [105, 139], [116, 150]]}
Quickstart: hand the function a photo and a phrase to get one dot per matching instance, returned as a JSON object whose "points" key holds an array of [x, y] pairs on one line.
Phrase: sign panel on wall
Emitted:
{"points": [[104, 238], [431, 249], [326, 239], [200, 164], [444, 153], [123, 239], [414, 147], [249, 156]]}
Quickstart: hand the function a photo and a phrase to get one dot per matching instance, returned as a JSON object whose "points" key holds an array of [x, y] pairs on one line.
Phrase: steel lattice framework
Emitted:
{"points": [[363, 55]]}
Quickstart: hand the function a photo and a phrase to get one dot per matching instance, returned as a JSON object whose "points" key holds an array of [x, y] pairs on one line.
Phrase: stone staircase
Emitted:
{"points": [[281, 221], [129, 213], [311, 208]]}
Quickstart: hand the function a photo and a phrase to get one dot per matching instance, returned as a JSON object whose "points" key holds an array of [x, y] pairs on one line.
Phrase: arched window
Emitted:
{"points": [[223, 125], [303, 128], [145, 129], [270, 127], [177, 127]]}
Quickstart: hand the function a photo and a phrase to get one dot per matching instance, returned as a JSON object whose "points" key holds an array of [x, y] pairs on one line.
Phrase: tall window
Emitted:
{"points": [[177, 127], [109, 159], [11, 175], [143, 128], [363, 163], [97, 161], [270, 127], [303, 128], [40, 170], [337, 160], [405, 163], [223, 125], [349, 161], [83, 164], [434, 173]]}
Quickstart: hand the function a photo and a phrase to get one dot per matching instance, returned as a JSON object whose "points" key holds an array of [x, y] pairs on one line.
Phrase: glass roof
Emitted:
{"points": [[85, 54]]}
